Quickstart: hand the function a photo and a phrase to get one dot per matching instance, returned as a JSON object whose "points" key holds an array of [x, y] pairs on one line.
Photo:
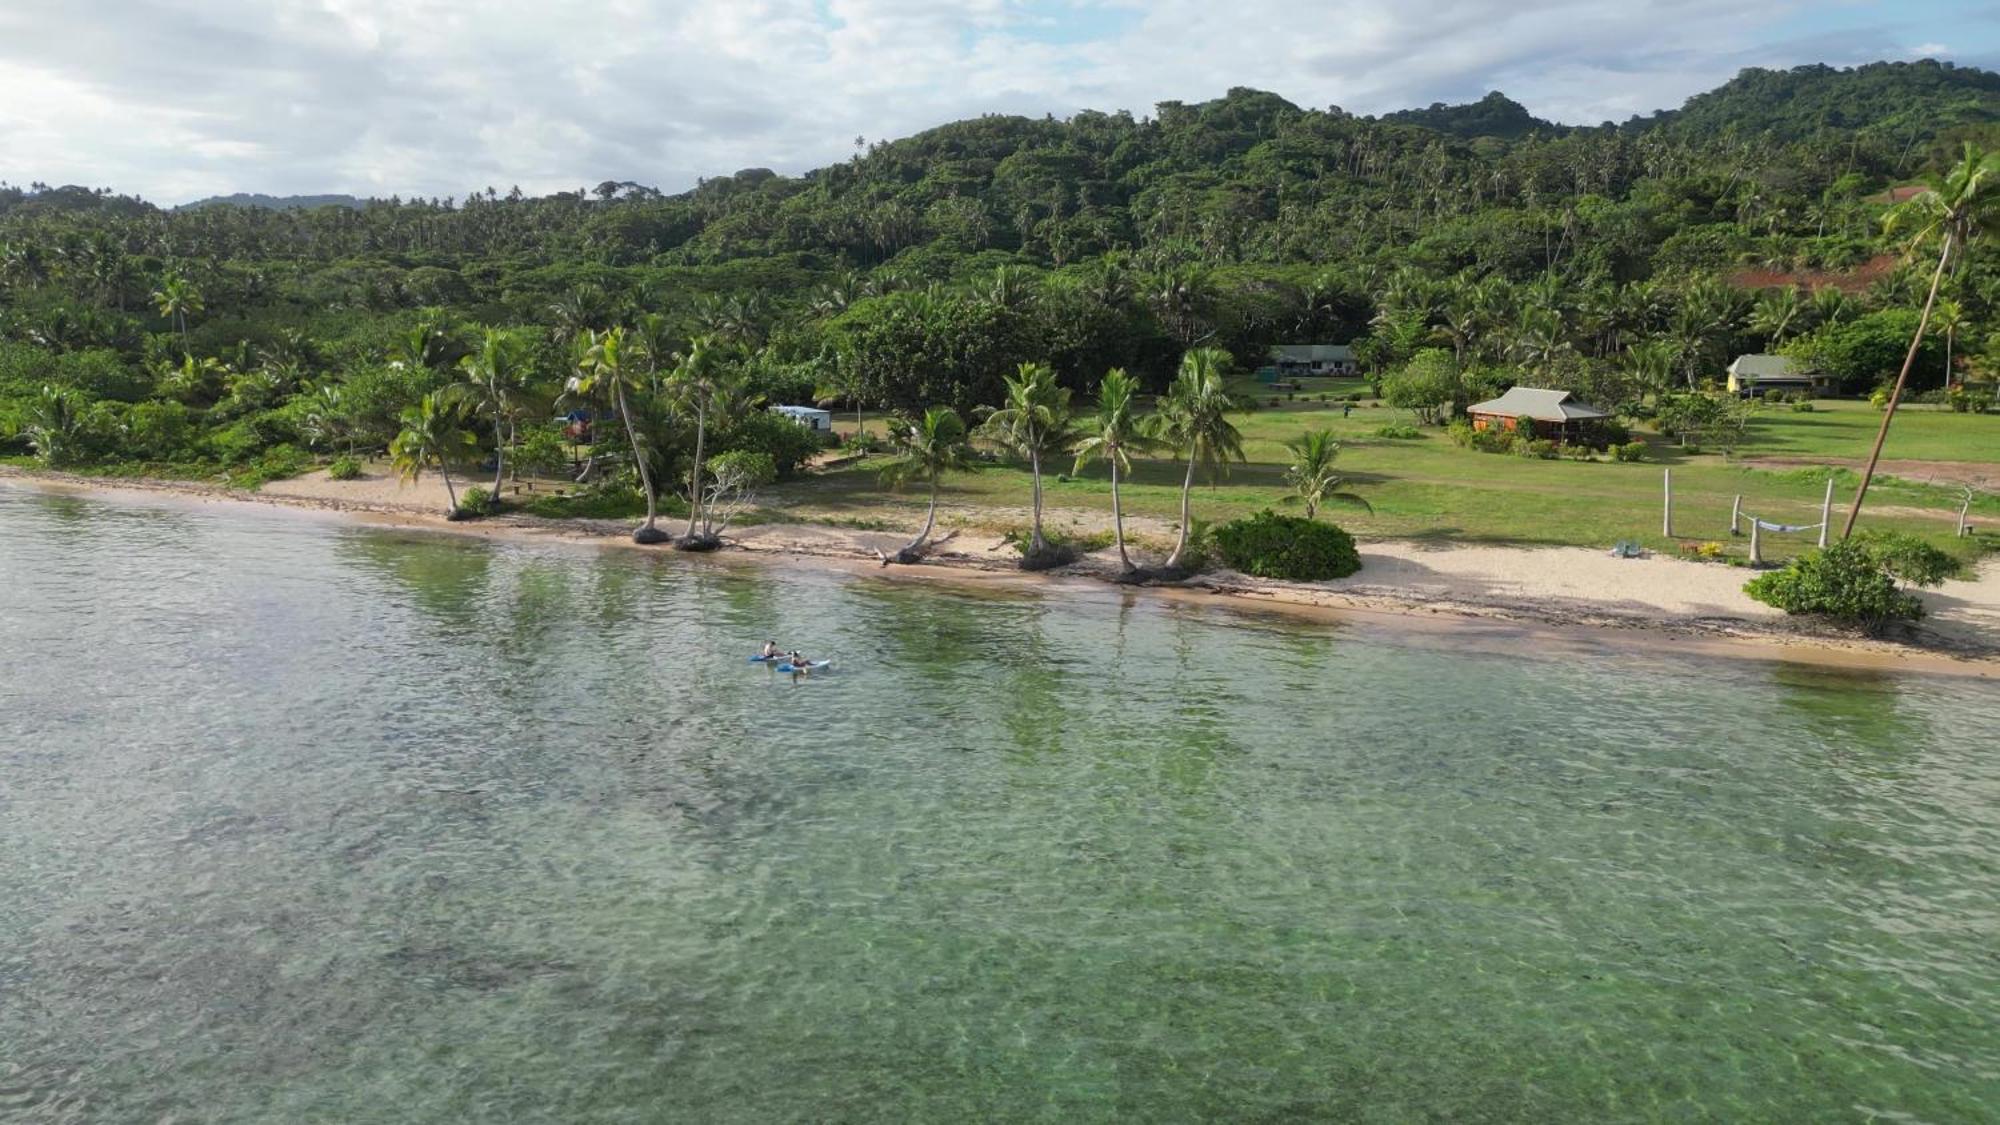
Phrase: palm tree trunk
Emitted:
{"points": [[694, 484], [638, 458], [1035, 540], [1118, 515], [499, 457], [450, 493], [1896, 392], [1187, 490], [930, 520]]}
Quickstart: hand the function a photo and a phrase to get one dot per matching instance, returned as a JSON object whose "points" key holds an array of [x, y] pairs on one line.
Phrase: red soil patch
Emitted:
{"points": [[1855, 280], [1901, 194]]}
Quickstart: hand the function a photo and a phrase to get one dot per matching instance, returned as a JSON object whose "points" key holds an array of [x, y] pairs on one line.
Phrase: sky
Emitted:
{"points": [[179, 99]]}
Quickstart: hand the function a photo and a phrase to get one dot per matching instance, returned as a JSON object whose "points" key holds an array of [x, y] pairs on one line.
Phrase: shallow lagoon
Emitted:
{"points": [[307, 821]]}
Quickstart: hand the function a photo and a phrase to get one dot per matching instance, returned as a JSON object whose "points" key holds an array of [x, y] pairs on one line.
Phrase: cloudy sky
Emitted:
{"points": [[177, 99]]}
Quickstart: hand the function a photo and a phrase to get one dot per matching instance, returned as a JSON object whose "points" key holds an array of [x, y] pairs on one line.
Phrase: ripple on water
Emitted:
{"points": [[304, 822]]}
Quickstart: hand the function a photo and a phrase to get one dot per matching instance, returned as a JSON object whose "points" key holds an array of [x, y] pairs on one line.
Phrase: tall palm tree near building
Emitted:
{"points": [[1194, 419], [1776, 312], [1034, 423], [602, 365], [431, 435], [926, 449], [1111, 434], [1961, 204]]}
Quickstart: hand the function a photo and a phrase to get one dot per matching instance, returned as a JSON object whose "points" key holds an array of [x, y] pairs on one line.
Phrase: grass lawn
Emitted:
{"points": [[1428, 488]]}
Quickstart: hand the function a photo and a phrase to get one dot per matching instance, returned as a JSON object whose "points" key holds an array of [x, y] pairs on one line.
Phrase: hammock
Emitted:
{"points": [[1788, 528]]}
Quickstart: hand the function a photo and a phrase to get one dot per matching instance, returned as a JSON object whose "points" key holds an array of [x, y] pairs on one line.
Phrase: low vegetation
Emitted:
{"points": [[1292, 548]]}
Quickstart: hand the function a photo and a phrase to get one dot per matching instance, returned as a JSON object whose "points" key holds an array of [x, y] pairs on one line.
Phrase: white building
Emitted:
{"points": [[811, 417]]}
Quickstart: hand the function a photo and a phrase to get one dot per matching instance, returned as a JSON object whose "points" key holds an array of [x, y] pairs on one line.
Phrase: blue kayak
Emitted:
{"points": [[764, 659], [811, 666]]}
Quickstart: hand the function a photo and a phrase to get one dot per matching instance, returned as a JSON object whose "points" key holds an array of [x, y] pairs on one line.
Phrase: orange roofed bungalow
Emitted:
{"points": [[1544, 414]]}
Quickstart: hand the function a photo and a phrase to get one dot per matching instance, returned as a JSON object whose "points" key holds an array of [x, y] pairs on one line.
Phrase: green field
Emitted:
{"points": [[1428, 488]]}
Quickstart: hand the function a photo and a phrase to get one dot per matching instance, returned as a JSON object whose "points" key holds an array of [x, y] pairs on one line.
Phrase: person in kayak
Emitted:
{"points": [[797, 660], [769, 650]]}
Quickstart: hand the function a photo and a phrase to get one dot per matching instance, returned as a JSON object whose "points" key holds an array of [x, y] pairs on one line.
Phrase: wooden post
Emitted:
{"points": [[1963, 507], [1667, 506], [1826, 512], [1736, 515], [1756, 543]]}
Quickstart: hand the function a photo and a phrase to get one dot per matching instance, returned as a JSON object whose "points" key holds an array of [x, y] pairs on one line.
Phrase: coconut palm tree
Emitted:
{"points": [[926, 449], [1950, 318], [1777, 310], [1112, 434], [1961, 204], [1194, 417], [178, 298], [431, 435], [493, 388], [54, 420], [1311, 472], [696, 380], [1034, 423], [602, 364]]}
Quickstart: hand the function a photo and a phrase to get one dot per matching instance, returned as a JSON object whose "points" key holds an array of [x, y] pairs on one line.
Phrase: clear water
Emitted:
{"points": [[306, 822]]}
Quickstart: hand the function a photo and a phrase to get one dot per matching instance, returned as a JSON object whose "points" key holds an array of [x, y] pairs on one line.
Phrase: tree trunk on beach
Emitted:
{"points": [[1187, 489], [1118, 517], [1896, 392]]}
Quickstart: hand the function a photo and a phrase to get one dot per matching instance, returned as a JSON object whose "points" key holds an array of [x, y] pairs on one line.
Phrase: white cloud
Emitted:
{"points": [[179, 98], [1930, 50]]}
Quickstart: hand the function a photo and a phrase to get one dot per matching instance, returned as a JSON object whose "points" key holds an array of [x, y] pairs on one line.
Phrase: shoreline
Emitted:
{"points": [[1456, 607]]}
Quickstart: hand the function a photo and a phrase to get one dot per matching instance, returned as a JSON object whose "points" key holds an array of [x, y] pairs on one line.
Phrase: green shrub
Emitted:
{"points": [[1579, 453], [1630, 451], [1461, 433], [276, 463], [160, 431], [1541, 448], [788, 443], [540, 450], [344, 468], [475, 501], [1908, 558], [1846, 582], [1398, 431], [1291, 548]]}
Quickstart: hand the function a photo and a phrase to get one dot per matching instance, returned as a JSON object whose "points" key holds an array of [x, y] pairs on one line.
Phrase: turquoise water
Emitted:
{"points": [[306, 822]]}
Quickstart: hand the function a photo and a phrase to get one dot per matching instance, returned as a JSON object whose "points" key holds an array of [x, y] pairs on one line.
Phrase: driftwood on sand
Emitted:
{"points": [[915, 552]]}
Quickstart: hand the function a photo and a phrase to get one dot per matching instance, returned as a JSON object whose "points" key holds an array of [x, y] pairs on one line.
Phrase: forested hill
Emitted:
{"points": [[1911, 102], [274, 202], [1495, 115], [922, 268]]}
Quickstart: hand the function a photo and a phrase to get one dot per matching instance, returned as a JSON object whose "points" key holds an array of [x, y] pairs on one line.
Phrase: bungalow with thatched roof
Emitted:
{"points": [[1544, 414]]}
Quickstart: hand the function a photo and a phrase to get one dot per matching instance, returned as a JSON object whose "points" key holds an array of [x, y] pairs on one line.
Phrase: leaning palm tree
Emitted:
{"points": [[926, 449], [1194, 417], [492, 388], [431, 435], [1959, 205], [601, 363], [1111, 435], [1311, 472], [1034, 423]]}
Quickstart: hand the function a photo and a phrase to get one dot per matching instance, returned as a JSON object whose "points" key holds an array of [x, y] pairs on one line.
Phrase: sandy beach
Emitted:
{"points": [[1557, 587]]}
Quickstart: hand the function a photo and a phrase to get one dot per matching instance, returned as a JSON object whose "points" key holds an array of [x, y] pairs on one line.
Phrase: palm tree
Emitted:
{"points": [[1194, 417], [430, 435], [1034, 422], [493, 387], [177, 297], [696, 380], [1961, 204], [1950, 317], [1776, 310], [1112, 435], [54, 419], [1311, 473], [927, 448], [601, 363]]}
